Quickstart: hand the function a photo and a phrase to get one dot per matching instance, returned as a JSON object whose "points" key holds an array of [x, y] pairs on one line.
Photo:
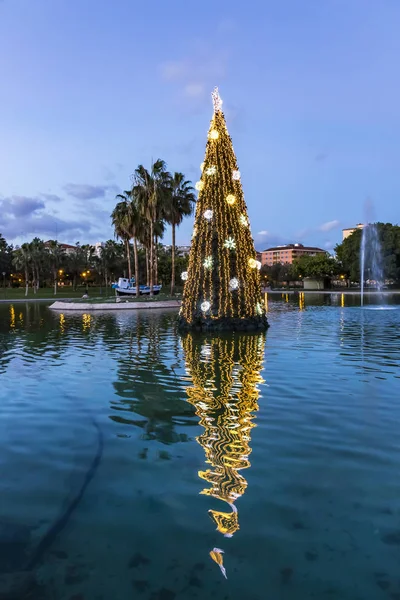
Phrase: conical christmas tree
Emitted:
{"points": [[222, 289]]}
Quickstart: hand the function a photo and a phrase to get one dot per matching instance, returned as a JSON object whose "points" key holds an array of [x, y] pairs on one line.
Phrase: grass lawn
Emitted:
{"points": [[48, 293], [96, 294]]}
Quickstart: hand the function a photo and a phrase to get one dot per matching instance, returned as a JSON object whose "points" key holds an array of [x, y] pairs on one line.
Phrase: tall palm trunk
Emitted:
{"points": [[135, 251], [37, 278], [147, 267], [33, 280], [156, 261], [55, 281], [128, 257], [151, 257], [26, 281], [173, 261]]}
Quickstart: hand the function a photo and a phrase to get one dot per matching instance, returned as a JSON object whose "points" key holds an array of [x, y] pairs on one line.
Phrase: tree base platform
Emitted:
{"points": [[201, 323]]}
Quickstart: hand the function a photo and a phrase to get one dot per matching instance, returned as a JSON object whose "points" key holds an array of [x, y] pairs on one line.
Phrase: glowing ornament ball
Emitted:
{"points": [[214, 135], [208, 214], [205, 306], [233, 284], [236, 175], [252, 263], [211, 170], [199, 185], [184, 275], [230, 199]]}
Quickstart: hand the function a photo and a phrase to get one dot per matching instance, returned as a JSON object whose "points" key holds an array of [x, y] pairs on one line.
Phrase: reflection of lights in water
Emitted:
{"points": [[12, 317], [287, 298], [302, 303], [266, 302], [21, 318], [86, 321], [62, 322], [342, 300], [224, 394]]}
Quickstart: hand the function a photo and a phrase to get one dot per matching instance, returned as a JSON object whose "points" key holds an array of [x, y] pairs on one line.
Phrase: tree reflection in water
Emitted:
{"points": [[225, 372]]}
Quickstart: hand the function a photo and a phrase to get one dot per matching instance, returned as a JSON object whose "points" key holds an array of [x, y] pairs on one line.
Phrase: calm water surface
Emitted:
{"points": [[282, 450]]}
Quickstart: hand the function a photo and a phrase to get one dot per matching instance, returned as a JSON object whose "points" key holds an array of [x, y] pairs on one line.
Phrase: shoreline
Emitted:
{"points": [[172, 303]]}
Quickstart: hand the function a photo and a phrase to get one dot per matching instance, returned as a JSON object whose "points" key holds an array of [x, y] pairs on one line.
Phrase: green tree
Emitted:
{"points": [[121, 220], [76, 261], [318, 266], [179, 204], [56, 259], [22, 262], [6, 252], [151, 189], [348, 252]]}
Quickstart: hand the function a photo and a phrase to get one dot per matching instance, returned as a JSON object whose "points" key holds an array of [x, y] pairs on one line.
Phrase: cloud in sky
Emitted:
{"points": [[329, 225], [19, 206], [51, 197], [26, 217], [83, 191]]}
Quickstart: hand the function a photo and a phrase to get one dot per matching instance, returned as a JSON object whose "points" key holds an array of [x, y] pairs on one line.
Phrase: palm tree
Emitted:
{"points": [[180, 204], [150, 190], [37, 253], [120, 217], [57, 256], [22, 262]]}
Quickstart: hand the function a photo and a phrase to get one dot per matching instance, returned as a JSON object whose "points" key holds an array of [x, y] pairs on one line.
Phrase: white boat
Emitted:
{"points": [[126, 287]]}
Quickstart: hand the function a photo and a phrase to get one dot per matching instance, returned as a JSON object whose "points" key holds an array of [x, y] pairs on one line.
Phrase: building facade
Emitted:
{"points": [[349, 231], [288, 254]]}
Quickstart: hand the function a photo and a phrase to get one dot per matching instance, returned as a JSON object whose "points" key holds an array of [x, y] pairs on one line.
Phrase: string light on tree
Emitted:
{"points": [[202, 166], [223, 246], [258, 264], [230, 243], [259, 308], [194, 232], [199, 185]]}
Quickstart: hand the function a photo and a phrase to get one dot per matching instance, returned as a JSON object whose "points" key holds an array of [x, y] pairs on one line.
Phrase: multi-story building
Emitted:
{"points": [[288, 254], [349, 231], [68, 249]]}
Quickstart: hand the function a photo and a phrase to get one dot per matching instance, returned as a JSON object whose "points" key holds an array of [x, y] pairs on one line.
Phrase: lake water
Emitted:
{"points": [[282, 450]]}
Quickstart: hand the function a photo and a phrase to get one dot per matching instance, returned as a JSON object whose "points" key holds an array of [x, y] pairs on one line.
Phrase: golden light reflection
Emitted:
{"points": [[302, 302], [12, 317], [286, 297], [21, 318], [266, 302], [225, 373], [342, 300], [86, 321], [62, 323]]}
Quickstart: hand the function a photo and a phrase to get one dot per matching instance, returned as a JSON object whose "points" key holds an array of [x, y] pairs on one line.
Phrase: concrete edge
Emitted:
{"points": [[83, 306]]}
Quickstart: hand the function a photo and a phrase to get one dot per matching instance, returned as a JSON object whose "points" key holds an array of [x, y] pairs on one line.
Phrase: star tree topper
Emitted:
{"points": [[217, 101]]}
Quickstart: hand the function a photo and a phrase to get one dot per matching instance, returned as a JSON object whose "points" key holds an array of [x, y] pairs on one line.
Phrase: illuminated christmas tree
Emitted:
{"points": [[222, 285]]}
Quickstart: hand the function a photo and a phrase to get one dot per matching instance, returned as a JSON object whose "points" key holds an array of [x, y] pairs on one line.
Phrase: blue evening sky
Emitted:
{"points": [[91, 88]]}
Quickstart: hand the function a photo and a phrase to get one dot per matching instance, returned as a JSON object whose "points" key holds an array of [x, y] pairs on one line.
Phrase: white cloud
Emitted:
{"points": [[264, 232], [194, 90], [329, 225]]}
